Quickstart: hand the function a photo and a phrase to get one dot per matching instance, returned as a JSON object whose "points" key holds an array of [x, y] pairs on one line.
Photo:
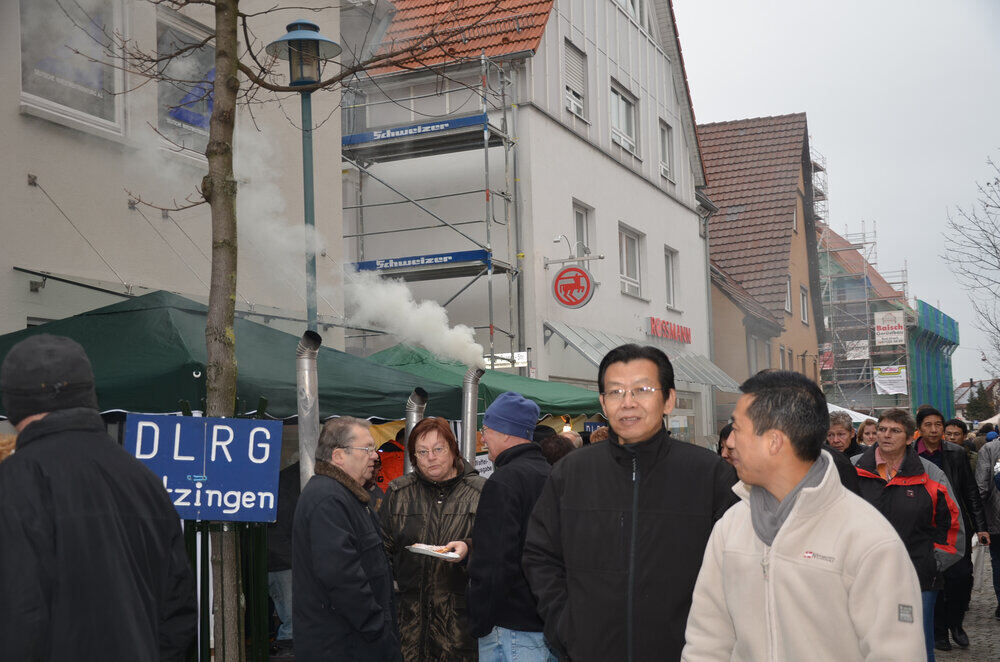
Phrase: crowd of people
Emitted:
{"points": [[802, 538]]}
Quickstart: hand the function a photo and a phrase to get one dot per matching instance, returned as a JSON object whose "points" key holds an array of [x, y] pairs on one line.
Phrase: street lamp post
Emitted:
{"points": [[305, 48]]}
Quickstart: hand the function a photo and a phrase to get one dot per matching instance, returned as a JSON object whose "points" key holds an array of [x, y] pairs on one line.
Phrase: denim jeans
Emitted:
{"points": [[503, 645], [995, 563], [279, 585], [929, 598]]}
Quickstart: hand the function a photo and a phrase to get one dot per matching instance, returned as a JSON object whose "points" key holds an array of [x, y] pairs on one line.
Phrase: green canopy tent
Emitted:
{"points": [[552, 397], [148, 354]]}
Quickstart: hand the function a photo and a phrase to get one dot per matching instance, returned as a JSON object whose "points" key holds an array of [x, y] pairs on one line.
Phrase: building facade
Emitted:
{"points": [[86, 138], [588, 160]]}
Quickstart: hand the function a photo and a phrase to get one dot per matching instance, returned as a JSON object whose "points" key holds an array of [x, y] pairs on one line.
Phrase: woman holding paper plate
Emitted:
{"points": [[434, 506]]}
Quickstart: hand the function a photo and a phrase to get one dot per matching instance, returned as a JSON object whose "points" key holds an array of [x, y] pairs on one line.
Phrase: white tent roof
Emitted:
{"points": [[855, 416]]}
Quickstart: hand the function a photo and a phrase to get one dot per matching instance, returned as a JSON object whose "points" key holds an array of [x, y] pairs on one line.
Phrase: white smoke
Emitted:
{"points": [[388, 305]]}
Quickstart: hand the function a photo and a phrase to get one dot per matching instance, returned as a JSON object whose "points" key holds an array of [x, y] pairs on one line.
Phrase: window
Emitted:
{"points": [[63, 85], [576, 80], [629, 247], [795, 219], [184, 107], [666, 150], [581, 219], [804, 304], [623, 119], [670, 271], [634, 9], [781, 357], [790, 364], [788, 295]]}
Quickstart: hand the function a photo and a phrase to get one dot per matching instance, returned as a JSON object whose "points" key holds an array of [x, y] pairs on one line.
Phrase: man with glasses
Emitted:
{"points": [[616, 540], [917, 499], [341, 580], [502, 611]]}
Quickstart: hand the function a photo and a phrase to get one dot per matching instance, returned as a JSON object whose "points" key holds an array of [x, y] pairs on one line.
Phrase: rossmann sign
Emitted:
{"points": [[669, 330]]}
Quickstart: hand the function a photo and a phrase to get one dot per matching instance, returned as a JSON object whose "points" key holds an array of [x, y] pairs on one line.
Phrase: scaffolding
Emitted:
{"points": [[487, 242], [853, 292]]}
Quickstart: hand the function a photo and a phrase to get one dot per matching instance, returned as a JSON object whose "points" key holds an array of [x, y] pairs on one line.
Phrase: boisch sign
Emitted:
{"points": [[213, 469]]}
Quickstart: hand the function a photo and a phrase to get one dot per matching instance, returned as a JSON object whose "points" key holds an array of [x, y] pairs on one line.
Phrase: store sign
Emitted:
{"points": [[435, 260], [413, 130], [214, 469], [890, 328], [669, 330], [826, 356], [890, 380], [573, 287]]}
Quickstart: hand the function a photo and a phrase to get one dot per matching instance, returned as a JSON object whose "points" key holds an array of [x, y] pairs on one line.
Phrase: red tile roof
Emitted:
{"points": [[732, 289], [753, 168], [446, 31], [853, 262]]}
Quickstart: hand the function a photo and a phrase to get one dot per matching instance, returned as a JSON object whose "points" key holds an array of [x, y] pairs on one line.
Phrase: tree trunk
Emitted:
{"points": [[219, 188]]}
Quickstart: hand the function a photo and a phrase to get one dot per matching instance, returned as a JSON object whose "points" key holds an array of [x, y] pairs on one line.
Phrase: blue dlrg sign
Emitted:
{"points": [[214, 469]]}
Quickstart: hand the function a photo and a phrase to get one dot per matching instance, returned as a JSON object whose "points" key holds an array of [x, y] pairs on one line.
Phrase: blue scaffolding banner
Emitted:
{"points": [[437, 259], [213, 469], [413, 130]]}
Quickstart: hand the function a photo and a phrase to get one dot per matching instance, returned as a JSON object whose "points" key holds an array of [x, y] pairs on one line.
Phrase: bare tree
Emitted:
{"points": [[973, 251], [243, 73]]}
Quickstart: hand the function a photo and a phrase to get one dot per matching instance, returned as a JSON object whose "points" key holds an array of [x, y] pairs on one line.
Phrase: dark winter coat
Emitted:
{"points": [[433, 617], [342, 601], [920, 505], [615, 544], [955, 463], [92, 560], [498, 590], [279, 533]]}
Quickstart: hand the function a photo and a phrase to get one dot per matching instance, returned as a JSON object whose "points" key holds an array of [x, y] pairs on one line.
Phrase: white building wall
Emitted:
{"points": [[88, 169]]}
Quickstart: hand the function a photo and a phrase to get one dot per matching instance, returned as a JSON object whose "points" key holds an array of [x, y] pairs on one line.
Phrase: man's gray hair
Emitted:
{"points": [[336, 433], [843, 419]]}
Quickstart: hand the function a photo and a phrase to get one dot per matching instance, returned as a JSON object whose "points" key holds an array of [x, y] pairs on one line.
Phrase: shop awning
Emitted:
{"points": [[689, 367]]}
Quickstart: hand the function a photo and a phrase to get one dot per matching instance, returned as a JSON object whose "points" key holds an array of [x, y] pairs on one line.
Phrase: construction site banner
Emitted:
{"points": [[890, 380], [890, 328], [826, 356], [856, 350]]}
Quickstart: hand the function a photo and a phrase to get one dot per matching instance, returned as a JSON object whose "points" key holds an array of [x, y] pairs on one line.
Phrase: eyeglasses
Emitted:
{"points": [[423, 452], [638, 393], [885, 430], [367, 449]]}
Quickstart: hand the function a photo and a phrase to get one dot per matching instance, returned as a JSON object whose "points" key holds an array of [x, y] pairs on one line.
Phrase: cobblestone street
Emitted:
{"points": [[983, 629]]}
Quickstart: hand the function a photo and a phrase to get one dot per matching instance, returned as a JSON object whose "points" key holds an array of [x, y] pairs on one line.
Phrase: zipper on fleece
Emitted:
{"points": [[765, 564], [630, 620]]}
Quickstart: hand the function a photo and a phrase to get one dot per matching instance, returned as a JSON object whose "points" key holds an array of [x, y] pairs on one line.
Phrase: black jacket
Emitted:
{"points": [[279, 532], [842, 461], [615, 544], [955, 463], [919, 504], [498, 590], [92, 560], [433, 619], [342, 602]]}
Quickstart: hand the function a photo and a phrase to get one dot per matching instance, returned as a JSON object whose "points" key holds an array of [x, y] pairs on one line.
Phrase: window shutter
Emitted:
{"points": [[576, 69]]}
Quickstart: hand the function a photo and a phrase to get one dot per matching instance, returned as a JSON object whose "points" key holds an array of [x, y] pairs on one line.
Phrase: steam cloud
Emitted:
{"points": [[388, 305]]}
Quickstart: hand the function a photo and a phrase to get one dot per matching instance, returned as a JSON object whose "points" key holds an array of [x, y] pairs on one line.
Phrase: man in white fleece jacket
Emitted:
{"points": [[801, 569]]}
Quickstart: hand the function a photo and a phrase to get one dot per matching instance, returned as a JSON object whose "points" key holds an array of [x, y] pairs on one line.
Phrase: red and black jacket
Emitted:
{"points": [[920, 505]]}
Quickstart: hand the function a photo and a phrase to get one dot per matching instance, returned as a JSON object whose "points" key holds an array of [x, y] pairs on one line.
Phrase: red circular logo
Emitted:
{"points": [[573, 287]]}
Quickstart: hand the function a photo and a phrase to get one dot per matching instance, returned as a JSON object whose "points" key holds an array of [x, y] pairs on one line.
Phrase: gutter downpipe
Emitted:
{"points": [[415, 406], [470, 398], [518, 231], [710, 208], [307, 397]]}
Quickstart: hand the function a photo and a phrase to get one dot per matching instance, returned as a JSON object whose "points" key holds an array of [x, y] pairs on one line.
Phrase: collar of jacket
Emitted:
{"points": [[648, 451], [810, 500], [324, 468], [77, 418], [909, 468], [509, 455]]}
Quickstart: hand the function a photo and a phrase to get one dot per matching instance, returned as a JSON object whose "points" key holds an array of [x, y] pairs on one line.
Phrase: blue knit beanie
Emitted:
{"points": [[511, 413], [991, 435]]}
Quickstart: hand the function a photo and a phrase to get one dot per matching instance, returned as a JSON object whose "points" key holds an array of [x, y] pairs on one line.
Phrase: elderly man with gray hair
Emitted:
{"points": [[341, 579]]}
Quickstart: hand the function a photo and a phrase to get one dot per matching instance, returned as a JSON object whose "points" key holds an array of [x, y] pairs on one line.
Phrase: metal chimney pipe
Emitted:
{"points": [[307, 394], [470, 398], [415, 406]]}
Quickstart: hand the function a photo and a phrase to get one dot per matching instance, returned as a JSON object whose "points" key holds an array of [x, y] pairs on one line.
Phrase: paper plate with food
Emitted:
{"points": [[438, 551]]}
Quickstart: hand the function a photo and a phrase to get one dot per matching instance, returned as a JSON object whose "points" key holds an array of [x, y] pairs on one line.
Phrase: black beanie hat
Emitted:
{"points": [[46, 373]]}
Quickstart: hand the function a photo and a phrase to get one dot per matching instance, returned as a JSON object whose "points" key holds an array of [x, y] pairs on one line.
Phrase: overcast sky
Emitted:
{"points": [[902, 97]]}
